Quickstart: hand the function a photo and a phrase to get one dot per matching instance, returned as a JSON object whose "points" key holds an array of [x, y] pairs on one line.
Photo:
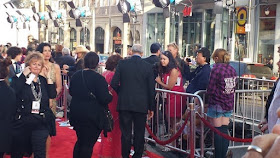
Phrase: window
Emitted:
{"points": [[266, 33], [61, 36], [192, 29], [155, 30], [85, 38], [73, 36]]}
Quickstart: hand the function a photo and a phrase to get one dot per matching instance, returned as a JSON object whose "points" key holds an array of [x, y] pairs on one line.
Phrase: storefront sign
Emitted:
{"points": [[241, 20]]}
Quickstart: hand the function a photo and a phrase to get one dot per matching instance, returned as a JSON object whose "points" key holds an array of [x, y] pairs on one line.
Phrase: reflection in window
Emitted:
{"points": [[155, 30], [85, 38], [192, 29], [266, 34], [73, 36], [61, 36]]}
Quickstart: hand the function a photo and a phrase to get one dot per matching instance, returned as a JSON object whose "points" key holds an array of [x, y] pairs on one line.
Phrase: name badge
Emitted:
{"points": [[35, 107]]}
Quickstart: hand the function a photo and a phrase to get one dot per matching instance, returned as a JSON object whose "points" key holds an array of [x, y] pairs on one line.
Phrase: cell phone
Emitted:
{"points": [[188, 60]]}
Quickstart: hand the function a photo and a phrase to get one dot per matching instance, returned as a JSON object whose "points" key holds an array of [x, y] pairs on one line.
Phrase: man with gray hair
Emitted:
{"points": [[66, 59], [135, 85]]}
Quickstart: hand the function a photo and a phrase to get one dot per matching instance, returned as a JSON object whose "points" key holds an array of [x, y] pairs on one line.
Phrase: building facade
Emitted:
{"points": [[208, 26]]}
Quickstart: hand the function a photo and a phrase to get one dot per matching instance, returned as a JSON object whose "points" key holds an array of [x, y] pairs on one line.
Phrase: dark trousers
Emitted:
{"points": [[138, 120], [1, 154], [221, 144], [86, 138], [38, 140]]}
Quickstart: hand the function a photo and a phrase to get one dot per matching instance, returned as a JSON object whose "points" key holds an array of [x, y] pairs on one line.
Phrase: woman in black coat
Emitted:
{"points": [[87, 113], [35, 120], [7, 108]]}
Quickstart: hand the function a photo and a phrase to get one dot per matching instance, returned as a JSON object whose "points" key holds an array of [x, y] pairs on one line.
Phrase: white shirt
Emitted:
{"points": [[275, 104]]}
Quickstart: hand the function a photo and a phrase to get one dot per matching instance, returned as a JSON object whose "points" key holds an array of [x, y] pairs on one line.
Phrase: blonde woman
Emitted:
{"points": [[221, 89]]}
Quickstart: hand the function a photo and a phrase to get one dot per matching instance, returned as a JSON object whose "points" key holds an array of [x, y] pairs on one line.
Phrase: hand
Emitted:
{"points": [[64, 72], [158, 79], [150, 114], [46, 72], [263, 126], [65, 67], [26, 71]]}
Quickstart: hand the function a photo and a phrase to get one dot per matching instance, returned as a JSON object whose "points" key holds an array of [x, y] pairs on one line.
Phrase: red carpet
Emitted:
{"points": [[62, 145]]}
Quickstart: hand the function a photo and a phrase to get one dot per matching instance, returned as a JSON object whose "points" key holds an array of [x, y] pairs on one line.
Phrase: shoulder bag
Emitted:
{"points": [[108, 121]]}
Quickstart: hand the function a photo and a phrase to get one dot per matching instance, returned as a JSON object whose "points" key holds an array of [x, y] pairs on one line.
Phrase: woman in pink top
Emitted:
{"points": [[111, 146]]}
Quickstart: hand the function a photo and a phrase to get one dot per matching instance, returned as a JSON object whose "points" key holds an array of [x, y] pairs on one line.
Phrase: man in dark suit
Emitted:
{"points": [[155, 52], [15, 54], [66, 59], [135, 85]]}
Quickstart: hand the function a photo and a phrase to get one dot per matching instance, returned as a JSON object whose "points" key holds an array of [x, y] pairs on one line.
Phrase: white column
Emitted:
{"points": [[78, 31], [180, 34], [92, 32], [66, 33], [143, 36], [125, 39], [107, 38], [167, 32], [218, 32], [277, 40]]}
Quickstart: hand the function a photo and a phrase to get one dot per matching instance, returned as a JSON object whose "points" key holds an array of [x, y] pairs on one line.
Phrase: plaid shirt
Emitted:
{"points": [[221, 87]]}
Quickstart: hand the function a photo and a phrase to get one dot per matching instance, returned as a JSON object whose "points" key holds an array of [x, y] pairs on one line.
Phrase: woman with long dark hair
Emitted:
{"points": [[87, 111], [7, 108], [171, 79], [55, 76]]}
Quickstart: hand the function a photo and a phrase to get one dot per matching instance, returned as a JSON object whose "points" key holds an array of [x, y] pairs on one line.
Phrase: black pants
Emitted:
{"points": [[86, 138], [138, 120], [221, 144], [1, 154], [38, 141]]}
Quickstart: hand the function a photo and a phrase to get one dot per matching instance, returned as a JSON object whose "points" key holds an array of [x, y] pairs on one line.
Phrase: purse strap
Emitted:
{"points": [[89, 92], [85, 85]]}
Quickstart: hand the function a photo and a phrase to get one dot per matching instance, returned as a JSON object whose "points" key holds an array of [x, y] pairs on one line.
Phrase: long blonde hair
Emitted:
{"points": [[222, 56]]}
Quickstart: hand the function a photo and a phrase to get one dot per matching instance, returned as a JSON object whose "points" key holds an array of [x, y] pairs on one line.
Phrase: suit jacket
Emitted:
{"points": [[7, 113], [68, 60], [152, 59], [135, 85], [12, 72]]}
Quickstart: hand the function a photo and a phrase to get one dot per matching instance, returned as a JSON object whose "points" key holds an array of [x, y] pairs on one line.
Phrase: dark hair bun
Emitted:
{"points": [[5, 62]]}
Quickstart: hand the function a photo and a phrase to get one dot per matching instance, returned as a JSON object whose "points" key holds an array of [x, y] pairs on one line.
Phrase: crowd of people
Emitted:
{"points": [[30, 80]]}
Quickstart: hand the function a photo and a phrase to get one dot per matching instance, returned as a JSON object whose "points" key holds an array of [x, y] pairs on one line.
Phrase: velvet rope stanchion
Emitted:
{"points": [[173, 137], [60, 94], [247, 140]]}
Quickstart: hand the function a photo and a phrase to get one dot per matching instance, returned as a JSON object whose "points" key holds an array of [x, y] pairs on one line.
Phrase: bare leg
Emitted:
{"points": [[48, 144]]}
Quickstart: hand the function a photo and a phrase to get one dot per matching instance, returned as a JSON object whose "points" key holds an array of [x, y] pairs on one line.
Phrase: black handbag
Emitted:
{"points": [[108, 124]]}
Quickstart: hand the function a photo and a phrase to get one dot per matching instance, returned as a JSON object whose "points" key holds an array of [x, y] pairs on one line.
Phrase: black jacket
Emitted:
{"points": [[135, 85], [153, 60], [7, 113], [65, 60], [269, 100], [83, 109], [22, 129], [78, 66]]}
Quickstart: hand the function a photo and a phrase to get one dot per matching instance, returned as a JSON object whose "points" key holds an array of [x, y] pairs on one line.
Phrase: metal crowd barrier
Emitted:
{"points": [[167, 126], [62, 98], [248, 111], [255, 83]]}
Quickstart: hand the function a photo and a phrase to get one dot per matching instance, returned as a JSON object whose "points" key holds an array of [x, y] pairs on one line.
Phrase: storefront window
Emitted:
{"points": [[266, 34], [209, 30], [73, 37], [155, 30], [84, 36], [192, 29]]}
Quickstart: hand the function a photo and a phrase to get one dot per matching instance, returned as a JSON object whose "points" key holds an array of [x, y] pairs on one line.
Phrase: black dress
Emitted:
{"points": [[7, 112], [23, 127]]}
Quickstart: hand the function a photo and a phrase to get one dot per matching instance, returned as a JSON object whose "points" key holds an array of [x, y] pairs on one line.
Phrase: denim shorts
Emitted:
{"points": [[213, 113]]}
